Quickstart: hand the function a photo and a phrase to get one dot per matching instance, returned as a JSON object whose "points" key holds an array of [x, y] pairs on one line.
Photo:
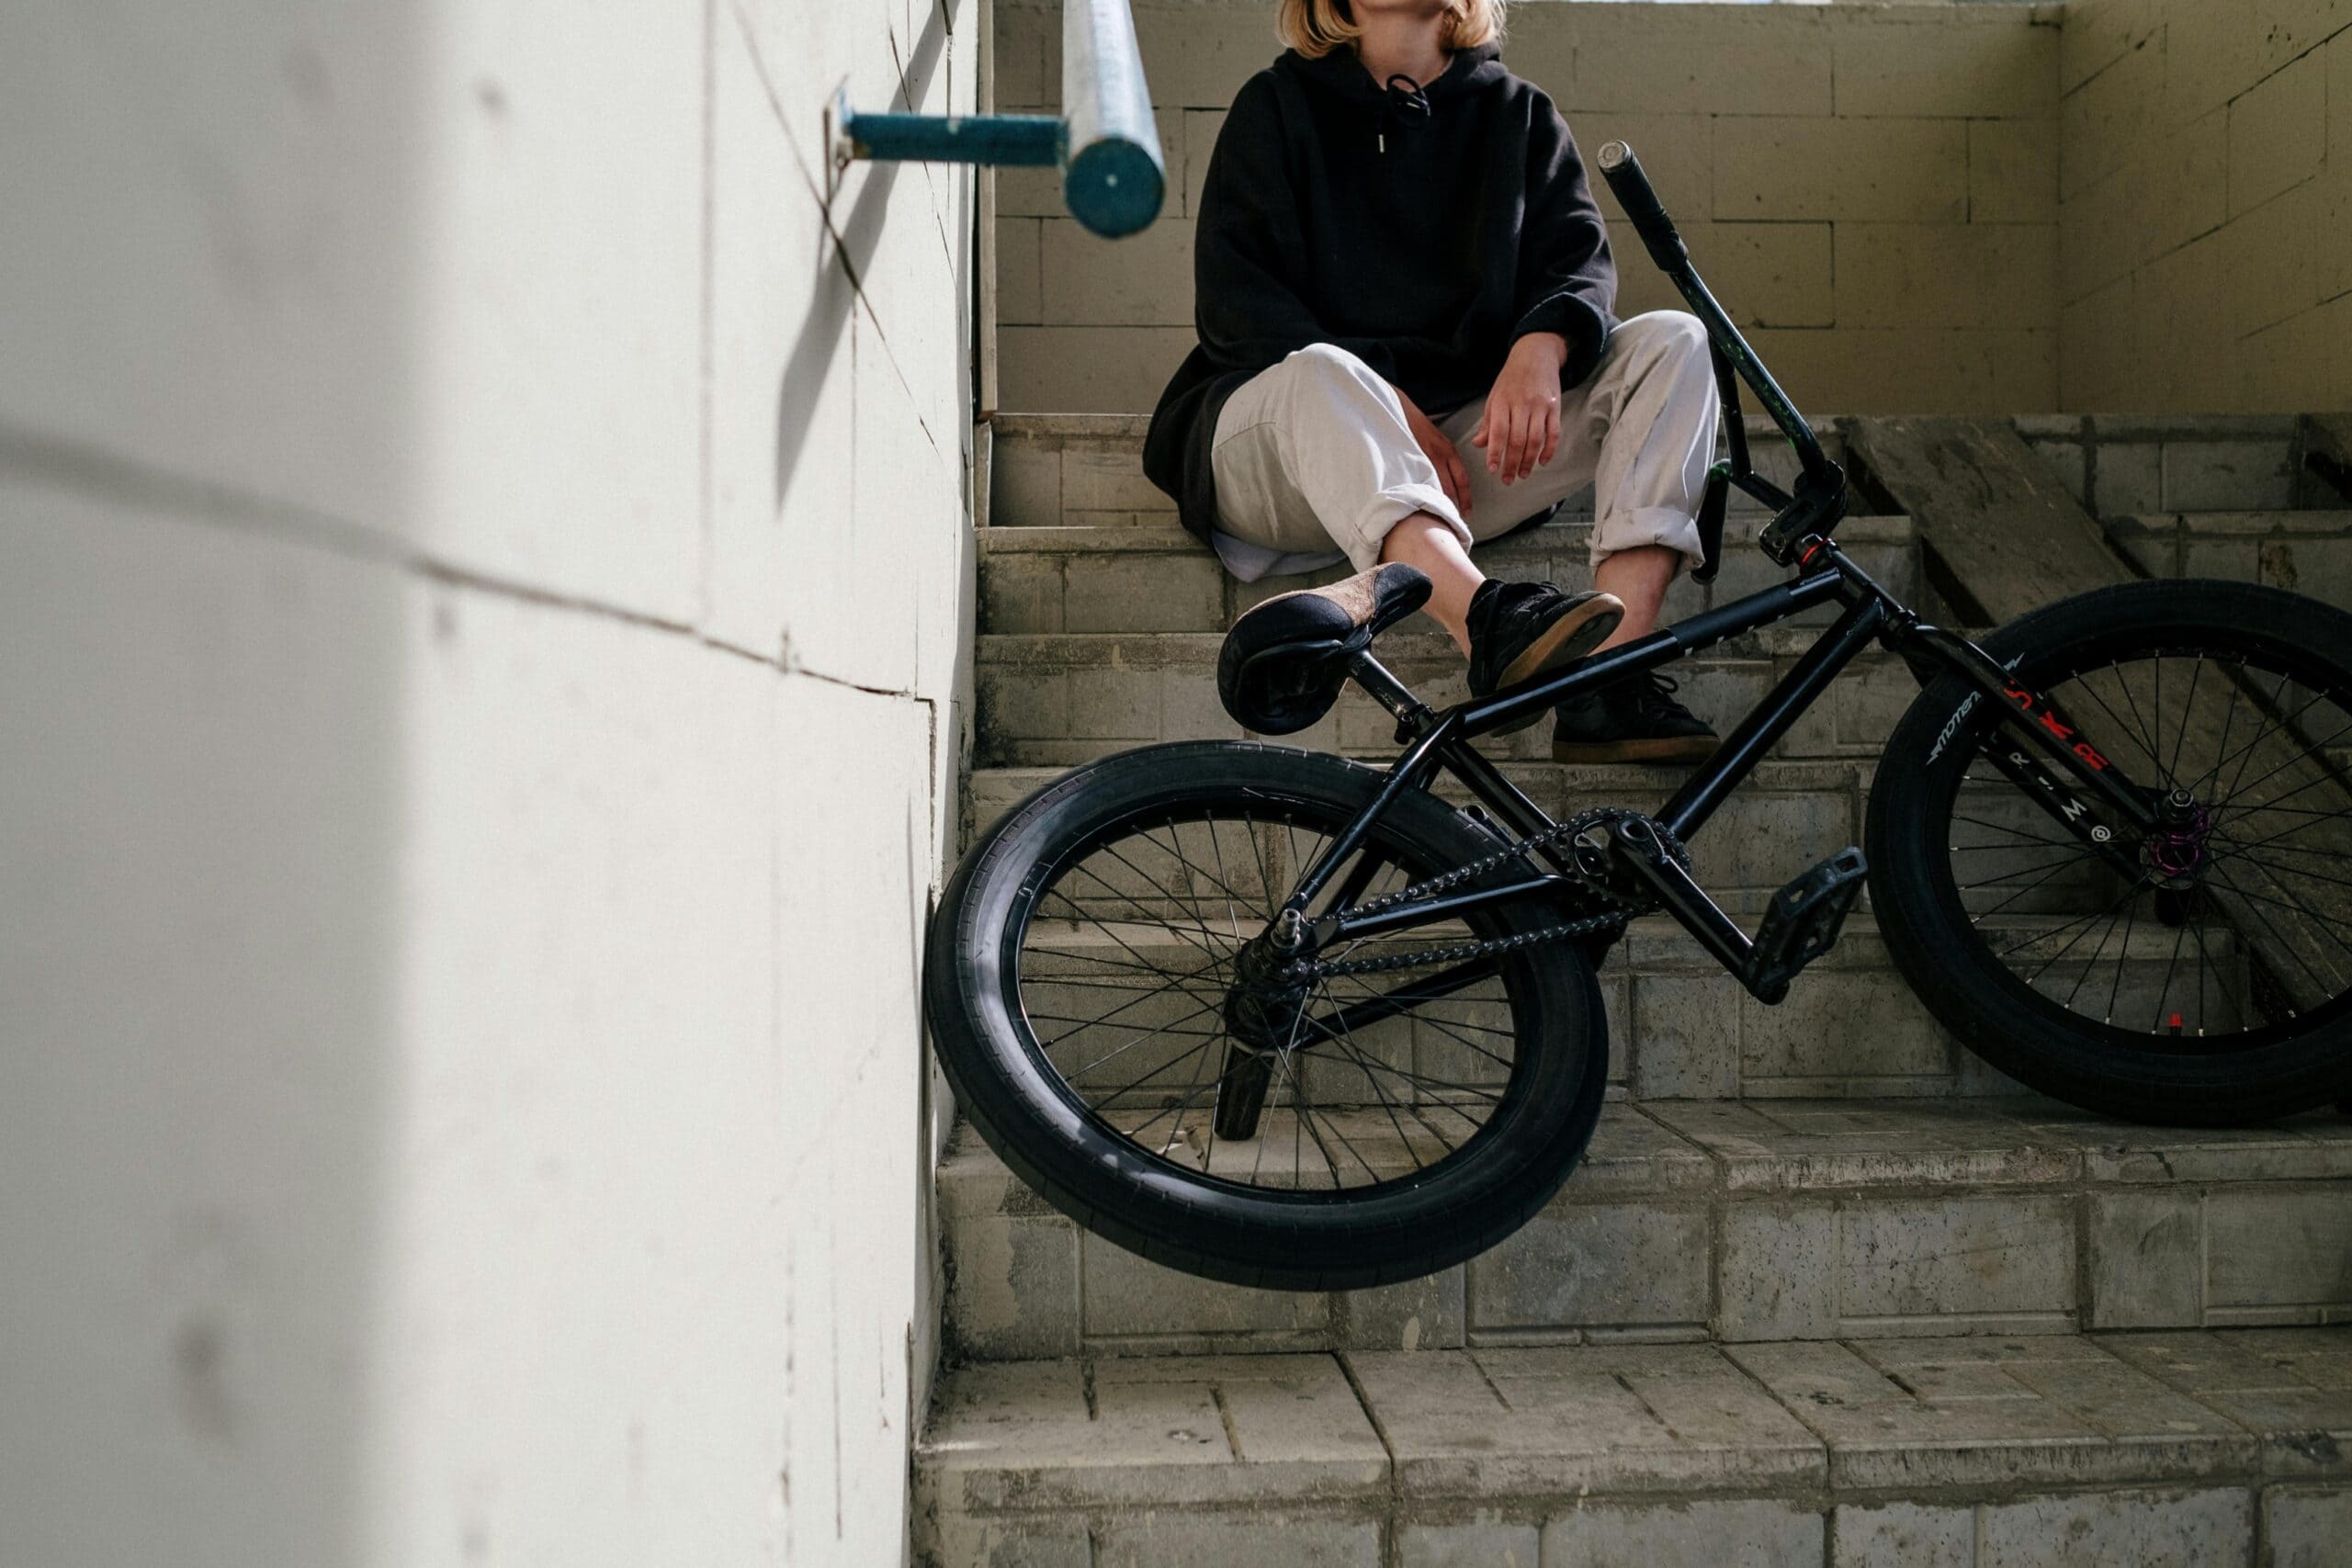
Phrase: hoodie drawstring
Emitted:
{"points": [[1401, 107]]}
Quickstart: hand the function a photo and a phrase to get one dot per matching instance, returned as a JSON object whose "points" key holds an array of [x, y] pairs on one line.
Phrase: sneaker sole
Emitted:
{"points": [[1673, 749], [1563, 642]]}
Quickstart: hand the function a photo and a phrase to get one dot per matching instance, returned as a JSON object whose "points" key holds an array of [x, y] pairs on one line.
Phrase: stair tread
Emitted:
{"points": [[1636, 782], [2316, 520], [1807, 1424], [1651, 942], [1128, 429], [1793, 1145], [1170, 539], [1408, 642], [1722, 1220]]}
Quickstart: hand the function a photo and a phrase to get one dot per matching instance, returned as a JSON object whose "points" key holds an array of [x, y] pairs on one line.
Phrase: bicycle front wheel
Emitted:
{"points": [[2203, 976], [1080, 981]]}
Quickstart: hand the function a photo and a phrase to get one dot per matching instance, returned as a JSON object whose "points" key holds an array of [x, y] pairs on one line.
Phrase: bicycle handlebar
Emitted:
{"points": [[1821, 498], [1648, 214]]}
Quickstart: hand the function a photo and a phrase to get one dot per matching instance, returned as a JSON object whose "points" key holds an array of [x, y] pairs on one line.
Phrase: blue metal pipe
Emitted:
{"points": [[1114, 177], [1026, 140]]}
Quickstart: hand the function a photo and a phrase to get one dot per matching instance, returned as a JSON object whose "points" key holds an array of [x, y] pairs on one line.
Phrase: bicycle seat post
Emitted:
{"points": [[1413, 716]]}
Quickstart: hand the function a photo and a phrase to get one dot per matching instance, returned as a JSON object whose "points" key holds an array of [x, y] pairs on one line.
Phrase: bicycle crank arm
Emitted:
{"points": [[1801, 924]]}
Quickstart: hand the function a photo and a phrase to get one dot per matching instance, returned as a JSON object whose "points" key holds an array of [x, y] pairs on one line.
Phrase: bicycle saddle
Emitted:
{"points": [[1284, 661]]}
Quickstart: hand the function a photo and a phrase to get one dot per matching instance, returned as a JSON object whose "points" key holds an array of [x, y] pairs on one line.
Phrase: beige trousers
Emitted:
{"points": [[1314, 452]]}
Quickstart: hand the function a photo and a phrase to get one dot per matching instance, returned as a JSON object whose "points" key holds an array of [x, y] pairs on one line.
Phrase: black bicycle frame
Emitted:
{"points": [[2070, 778], [2076, 785]]}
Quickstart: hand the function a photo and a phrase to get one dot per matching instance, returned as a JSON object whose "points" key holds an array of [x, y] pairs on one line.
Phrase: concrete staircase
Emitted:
{"points": [[1825, 1290]]}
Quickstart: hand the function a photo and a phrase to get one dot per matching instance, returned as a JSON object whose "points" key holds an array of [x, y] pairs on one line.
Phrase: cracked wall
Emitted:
{"points": [[2206, 230], [484, 563], [1869, 188]]}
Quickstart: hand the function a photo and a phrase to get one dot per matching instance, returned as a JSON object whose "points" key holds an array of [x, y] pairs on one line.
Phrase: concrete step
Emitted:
{"points": [[2157, 1450], [1159, 579], [2123, 466], [1787, 817], [2306, 552], [1680, 1027], [1741, 1222], [1086, 470], [1056, 699]]}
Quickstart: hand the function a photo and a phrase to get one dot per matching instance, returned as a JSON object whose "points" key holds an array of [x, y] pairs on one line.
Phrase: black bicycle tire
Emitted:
{"points": [[1105, 1184], [1919, 912]]}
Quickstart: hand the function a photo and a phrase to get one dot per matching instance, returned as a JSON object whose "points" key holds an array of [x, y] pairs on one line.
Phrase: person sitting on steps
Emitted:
{"points": [[1405, 300]]}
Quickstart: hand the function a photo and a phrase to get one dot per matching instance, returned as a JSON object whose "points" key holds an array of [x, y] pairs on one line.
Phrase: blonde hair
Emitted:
{"points": [[1315, 27]]}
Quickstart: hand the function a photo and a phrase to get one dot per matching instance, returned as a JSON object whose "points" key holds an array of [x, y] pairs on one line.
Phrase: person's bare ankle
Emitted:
{"points": [[1428, 544]]}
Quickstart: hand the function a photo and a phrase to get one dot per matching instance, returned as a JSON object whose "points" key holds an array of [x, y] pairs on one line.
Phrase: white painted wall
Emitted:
{"points": [[483, 567]]}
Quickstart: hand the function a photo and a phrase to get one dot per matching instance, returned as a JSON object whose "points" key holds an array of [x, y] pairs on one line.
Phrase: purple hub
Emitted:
{"points": [[2177, 850]]}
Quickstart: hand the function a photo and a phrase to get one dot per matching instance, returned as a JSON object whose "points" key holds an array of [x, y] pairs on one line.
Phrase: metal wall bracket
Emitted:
{"points": [[1114, 177]]}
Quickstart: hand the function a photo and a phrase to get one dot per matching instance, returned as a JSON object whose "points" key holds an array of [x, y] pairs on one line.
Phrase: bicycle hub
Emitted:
{"points": [[2176, 850]]}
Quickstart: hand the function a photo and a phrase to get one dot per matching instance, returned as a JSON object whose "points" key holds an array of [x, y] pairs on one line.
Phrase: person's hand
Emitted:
{"points": [[1450, 474], [1520, 430]]}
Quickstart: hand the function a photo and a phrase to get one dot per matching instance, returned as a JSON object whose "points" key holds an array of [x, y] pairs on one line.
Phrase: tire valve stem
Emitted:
{"points": [[2176, 1026]]}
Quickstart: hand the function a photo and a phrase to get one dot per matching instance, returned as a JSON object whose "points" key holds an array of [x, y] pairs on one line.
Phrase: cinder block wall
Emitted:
{"points": [[1872, 188], [482, 577], [2206, 216]]}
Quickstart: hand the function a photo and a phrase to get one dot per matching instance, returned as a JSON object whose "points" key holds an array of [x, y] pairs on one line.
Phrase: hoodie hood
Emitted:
{"points": [[1341, 72]]}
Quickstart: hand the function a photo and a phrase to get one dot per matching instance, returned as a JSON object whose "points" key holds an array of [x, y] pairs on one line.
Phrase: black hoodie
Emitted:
{"points": [[1423, 231]]}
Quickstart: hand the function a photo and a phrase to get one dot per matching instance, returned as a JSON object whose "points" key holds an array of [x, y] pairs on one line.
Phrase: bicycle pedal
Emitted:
{"points": [[1802, 923]]}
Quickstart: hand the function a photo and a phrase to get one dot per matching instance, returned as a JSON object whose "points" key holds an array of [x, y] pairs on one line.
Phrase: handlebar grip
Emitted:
{"points": [[1623, 173]]}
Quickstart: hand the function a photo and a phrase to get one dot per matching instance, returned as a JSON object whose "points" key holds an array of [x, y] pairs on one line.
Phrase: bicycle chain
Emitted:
{"points": [[1309, 971]]}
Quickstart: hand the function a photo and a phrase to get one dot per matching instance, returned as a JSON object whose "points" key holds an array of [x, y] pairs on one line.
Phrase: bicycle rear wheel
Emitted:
{"points": [[1081, 979], [2212, 981]]}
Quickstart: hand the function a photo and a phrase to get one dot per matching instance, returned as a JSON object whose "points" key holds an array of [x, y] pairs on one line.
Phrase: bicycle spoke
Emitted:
{"points": [[2171, 966], [2243, 755], [1205, 944], [1130, 965], [2278, 868], [2245, 889], [2271, 928], [2308, 755], [1349, 1048], [2015, 834], [2085, 922], [2187, 708], [2029, 888], [1105, 1017]]}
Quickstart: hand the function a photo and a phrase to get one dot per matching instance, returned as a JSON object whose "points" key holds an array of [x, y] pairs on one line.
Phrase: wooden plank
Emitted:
{"points": [[2001, 525], [2010, 538]]}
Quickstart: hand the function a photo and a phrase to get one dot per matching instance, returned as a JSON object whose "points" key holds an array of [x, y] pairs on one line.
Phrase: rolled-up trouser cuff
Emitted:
{"points": [[1668, 525], [1392, 506]]}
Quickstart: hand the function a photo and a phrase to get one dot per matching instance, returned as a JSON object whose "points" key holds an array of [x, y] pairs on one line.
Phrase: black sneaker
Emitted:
{"points": [[1519, 630], [1633, 720]]}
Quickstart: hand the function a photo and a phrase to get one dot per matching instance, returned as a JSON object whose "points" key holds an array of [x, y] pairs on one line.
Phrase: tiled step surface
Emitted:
{"points": [[1787, 817], [2156, 1451], [1086, 470], [2305, 552], [1679, 1027], [1743, 1222], [1056, 699], [1159, 579], [2122, 466]]}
